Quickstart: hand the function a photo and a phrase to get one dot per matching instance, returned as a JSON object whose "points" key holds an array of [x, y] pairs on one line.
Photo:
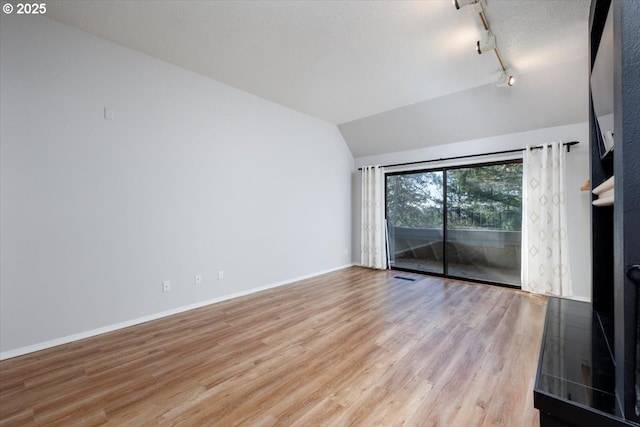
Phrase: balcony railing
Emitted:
{"points": [[482, 254]]}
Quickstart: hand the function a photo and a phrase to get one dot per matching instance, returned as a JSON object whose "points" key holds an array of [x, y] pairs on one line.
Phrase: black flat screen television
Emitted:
{"points": [[601, 83]]}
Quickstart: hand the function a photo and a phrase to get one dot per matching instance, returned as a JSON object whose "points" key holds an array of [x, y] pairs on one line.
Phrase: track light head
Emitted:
{"points": [[480, 5], [505, 79], [486, 43], [462, 3]]}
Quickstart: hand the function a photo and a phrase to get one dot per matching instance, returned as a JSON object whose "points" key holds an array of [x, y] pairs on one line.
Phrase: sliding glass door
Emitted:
{"points": [[484, 214], [461, 222], [415, 221]]}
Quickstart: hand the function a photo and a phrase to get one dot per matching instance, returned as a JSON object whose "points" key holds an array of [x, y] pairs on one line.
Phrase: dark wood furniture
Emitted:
{"points": [[590, 356]]}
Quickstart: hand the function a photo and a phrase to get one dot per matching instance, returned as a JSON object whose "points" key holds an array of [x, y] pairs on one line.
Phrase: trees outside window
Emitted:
{"points": [[464, 222]]}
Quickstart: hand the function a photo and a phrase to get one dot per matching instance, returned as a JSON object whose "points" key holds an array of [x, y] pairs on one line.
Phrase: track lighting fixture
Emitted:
{"points": [[487, 40], [462, 3], [477, 4], [457, 4], [505, 79], [486, 43]]}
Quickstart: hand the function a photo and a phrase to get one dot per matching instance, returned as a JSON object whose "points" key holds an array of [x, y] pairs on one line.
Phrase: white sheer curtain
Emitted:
{"points": [[545, 252], [373, 236]]}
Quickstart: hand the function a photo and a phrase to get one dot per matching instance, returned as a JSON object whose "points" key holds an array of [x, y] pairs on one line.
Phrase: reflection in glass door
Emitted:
{"points": [[415, 221], [462, 222], [484, 217]]}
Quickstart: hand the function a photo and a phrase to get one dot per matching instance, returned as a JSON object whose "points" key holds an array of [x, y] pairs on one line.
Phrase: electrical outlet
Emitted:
{"points": [[198, 279], [220, 274], [166, 286]]}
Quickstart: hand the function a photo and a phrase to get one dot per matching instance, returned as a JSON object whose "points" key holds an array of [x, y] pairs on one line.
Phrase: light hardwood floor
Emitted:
{"points": [[353, 347]]}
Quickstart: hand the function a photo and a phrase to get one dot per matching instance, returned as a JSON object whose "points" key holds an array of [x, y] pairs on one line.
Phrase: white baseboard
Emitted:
{"points": [[120, 325]]}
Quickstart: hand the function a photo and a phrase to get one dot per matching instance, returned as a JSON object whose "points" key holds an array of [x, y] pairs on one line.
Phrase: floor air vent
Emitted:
{"points": [[405, 278]]}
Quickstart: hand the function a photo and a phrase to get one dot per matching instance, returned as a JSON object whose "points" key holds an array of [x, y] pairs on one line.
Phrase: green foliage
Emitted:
{"points": [[480, 197], [415, 200], [485, 197]]}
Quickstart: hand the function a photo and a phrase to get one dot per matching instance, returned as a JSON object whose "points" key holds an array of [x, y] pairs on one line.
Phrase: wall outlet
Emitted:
{"points": [[198, 279], [166, 286], [220, 274], [346, 251]]}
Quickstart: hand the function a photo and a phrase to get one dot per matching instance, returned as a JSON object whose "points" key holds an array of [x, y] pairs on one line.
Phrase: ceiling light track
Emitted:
{"points": [[487, 41]]}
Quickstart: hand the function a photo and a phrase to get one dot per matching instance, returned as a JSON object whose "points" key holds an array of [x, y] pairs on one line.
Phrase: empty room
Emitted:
{"points": [[320, 213]]}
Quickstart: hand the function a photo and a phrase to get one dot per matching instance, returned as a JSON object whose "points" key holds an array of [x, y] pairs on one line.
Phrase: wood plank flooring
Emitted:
{"points": [[355, 347]]}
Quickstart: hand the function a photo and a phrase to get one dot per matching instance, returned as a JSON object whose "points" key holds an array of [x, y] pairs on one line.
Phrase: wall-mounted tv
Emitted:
{"points": [[602, 87]]}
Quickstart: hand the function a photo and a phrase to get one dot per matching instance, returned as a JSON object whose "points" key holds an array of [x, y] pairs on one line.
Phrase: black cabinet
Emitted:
{"points": [[575, 382], [626, 210], [616, 230], [607, 391]]}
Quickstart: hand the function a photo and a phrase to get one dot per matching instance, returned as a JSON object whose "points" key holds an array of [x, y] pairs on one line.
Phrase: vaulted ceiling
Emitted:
{"points": [[356, 63]]}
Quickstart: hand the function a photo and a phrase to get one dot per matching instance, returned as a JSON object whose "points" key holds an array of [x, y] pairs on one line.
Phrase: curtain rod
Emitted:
{"points": [[538, 147]]}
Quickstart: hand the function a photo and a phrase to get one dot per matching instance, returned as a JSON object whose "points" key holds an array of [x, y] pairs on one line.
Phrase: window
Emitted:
{"points": [[462, 222]]}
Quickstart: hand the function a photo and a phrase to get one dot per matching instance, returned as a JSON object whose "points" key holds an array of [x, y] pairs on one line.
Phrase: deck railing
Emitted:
{"points": [[491, 248]]}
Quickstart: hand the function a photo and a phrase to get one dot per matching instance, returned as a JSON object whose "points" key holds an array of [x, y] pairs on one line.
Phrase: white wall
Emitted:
{"points": [[577, 173], [191, 176], [549, 97]]}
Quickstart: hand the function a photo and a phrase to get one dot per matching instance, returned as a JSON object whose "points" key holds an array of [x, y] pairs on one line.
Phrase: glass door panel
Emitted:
{"points": [[484, 216], [415, 221]]}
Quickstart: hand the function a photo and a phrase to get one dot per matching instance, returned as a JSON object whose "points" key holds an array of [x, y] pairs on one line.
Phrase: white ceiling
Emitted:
{"points": [[339, 60]]}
